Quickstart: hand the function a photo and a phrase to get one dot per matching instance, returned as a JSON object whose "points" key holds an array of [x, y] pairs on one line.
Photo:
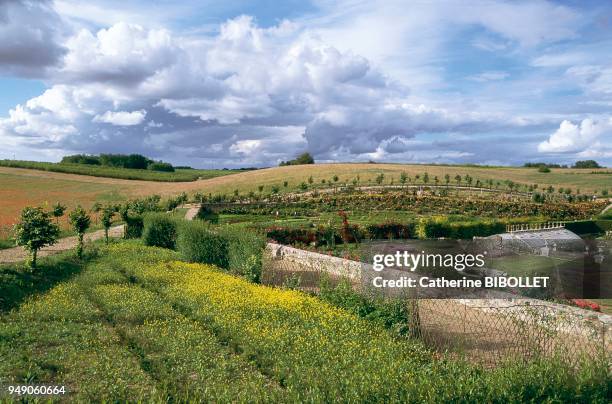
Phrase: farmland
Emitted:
{"points": [[135, 323], [179, 175], [41, 186]]}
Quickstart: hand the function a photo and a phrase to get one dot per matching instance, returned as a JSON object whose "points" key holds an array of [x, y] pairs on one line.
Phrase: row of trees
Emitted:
{"points": [[36, 228], [577, 164], [132, 161]]}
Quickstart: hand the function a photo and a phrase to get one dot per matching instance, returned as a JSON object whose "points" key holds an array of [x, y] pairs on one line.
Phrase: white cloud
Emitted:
{"points": [[575, 138], [121, 118]]}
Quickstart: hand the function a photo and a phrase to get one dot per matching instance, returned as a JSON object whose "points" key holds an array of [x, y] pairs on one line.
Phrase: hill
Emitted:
{"points": [[21, 187]]}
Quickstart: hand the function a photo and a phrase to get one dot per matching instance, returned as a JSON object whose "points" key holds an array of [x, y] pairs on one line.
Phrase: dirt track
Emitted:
{"points": [[18, 254]]}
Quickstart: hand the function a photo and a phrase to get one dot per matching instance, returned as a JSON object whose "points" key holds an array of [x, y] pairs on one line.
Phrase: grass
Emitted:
{"points": [[179, 175], [134, 324]]}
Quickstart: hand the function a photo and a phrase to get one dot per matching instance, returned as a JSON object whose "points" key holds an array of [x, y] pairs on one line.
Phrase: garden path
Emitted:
{"points": [[17, 254]]}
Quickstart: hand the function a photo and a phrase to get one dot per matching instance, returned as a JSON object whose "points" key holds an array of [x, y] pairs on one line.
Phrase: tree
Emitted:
{"points": [[80, 221], [310, 180], [425, 177], [335, 178], [107, 219], [446, 179], [304, 158], [403, 178], [379, 178], [458, 179], [58, 211], [34, 231], [586, 164]]}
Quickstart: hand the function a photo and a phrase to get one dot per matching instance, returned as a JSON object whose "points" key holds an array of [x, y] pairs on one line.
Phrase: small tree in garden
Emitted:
{"points": [[96, 208], [446, 179], [403, 178], [34, 231], [425, 178], [107, 219], [58, 211], [80, 221], [458, 179], [379, 178]]}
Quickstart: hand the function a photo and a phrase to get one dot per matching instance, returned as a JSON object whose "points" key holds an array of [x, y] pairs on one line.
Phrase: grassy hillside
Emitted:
{"points": [[179, 175], [135, 324]]}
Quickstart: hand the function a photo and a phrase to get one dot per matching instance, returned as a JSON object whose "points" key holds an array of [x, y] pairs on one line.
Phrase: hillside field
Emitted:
{"points": [[133, 323], [21, 187]]}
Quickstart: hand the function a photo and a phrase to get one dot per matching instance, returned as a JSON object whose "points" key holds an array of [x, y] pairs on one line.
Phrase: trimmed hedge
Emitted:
{"points": [[245, 251], [196, 242], [160, 230], [133, 226]]}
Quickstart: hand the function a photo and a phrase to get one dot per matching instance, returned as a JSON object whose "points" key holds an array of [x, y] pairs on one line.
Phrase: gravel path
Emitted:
{"points": [[18, 254], [192, 211]]}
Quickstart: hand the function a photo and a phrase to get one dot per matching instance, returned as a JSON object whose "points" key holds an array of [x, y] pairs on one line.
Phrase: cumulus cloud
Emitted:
{"points": [[572, 137], [249, 95], [30, 37], [121, 118]]}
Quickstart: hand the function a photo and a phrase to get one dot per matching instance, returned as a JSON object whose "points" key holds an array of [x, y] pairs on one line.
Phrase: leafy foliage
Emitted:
{"points": [[196, 242], [160, 230], [80, 221], [304, 158], [35, 230]]}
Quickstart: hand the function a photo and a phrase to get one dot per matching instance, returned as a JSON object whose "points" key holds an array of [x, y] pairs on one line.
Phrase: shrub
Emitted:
{"points": [[107, 219], [543, 169], [133, 226], [207, 214], [245, 249], [80, 221], [160, 230], [196, 242], [391, 230], [160, 166]]}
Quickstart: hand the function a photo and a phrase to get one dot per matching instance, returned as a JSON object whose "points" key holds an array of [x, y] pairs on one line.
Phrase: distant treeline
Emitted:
{"points": [[578, 164], [304, 158], [132, 161]]}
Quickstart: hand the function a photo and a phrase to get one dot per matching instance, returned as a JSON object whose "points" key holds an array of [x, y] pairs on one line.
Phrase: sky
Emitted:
{"points": [[251, 83]]}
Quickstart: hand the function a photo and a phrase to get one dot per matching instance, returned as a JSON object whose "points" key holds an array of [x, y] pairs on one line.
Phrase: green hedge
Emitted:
{"points": [[196, 242], [440, 227], [245, 251], [160, 230], [133, 226]]}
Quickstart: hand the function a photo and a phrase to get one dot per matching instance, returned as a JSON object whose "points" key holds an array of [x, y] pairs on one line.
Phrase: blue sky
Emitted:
{"points": [[243, 83]]}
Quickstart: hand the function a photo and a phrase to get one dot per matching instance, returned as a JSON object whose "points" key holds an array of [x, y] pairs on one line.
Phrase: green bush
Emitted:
{"points": [[440, 227], [245, 251], [196, 242], [160, 230], [207, 214], [133, 226]]}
